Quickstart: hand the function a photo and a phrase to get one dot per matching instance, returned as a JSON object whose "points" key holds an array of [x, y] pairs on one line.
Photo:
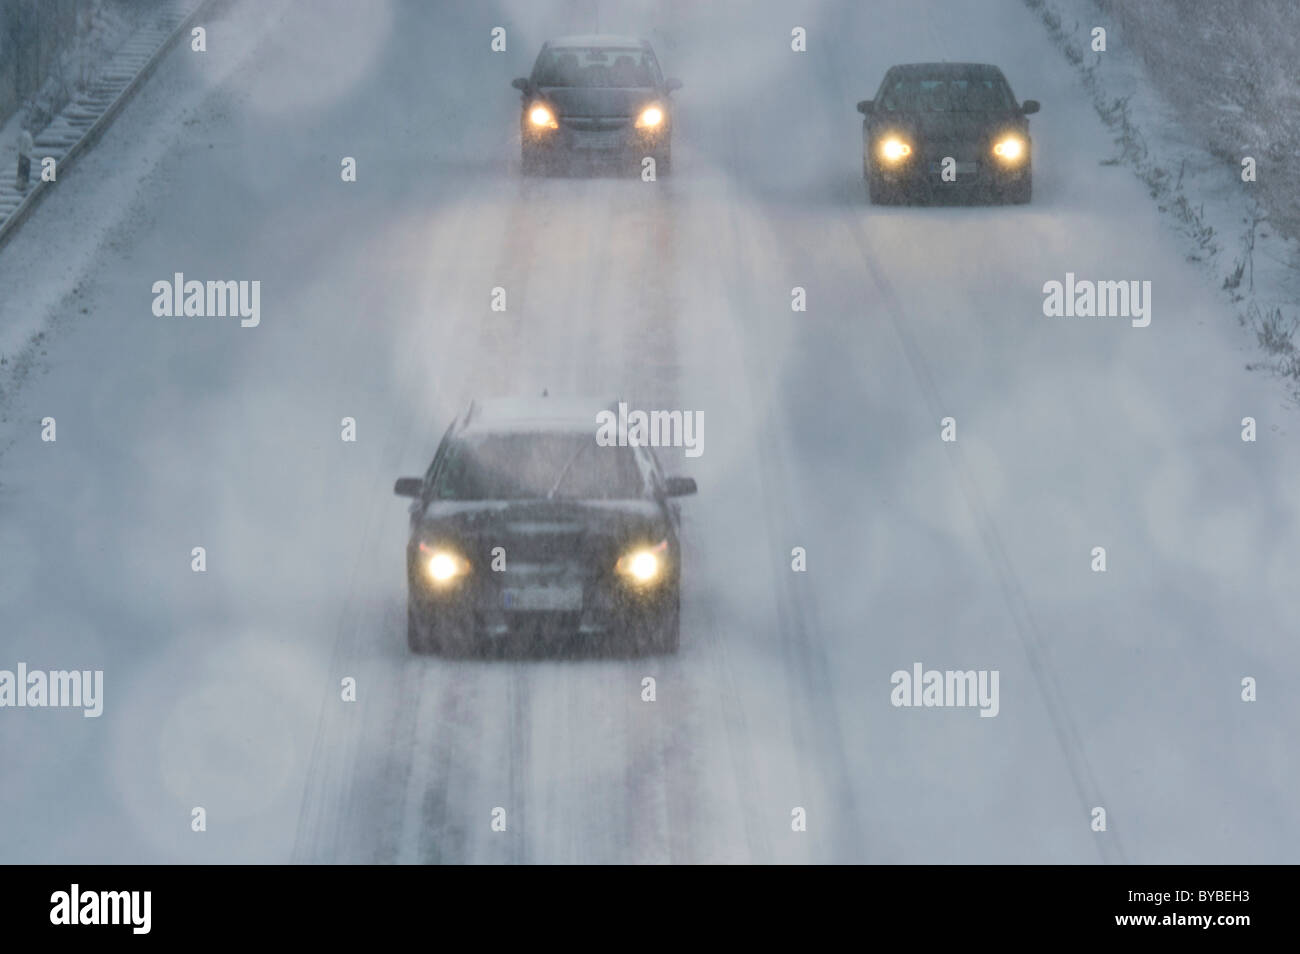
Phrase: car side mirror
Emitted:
{"points": [[672, 84], [409, 487], [679, 486], [866, 107], [1030, 106], [520, 84]]}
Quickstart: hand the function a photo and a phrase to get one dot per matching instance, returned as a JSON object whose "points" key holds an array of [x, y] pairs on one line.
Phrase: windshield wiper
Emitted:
{"points": [[565, 472]]}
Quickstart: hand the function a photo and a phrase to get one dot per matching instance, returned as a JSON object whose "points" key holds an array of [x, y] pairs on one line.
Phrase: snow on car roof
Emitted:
{"points": [[599, 40], [959, 69], [539, 413]]}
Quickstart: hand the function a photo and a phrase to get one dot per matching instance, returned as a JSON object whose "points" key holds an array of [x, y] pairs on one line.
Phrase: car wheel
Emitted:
{"points": [[530, 163], [879, 193], [665, 638], [461, 645], [418, 638], [456, 641]]}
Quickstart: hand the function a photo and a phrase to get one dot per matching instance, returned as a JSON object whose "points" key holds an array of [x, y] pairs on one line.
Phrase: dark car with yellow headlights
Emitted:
{"points": [[528, 534], [946, 131], [597, 97]]}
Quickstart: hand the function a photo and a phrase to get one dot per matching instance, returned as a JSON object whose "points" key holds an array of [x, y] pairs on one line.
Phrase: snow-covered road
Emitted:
{"points": [[1119, 690]]}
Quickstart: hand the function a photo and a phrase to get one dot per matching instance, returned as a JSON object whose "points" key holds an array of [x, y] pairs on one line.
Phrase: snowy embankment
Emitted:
{"points": [[79, 227], [84, 116], [1202, 97], [74, 129]]}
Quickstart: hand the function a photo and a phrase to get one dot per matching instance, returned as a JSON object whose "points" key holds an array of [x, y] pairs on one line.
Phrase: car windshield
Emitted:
{"points": [[530, 466], [947, 94], [625, 68]]}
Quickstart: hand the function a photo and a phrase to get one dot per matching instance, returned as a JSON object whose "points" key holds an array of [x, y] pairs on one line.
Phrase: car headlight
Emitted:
{"points": [[644, 564], [541, 117], [1011, 149], [651, 117], [442, 565], [894, 149]]}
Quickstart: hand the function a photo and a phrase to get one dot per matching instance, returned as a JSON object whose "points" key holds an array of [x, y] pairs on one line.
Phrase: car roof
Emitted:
{"points": [[506, 415], [946, 69], [598, 40]]}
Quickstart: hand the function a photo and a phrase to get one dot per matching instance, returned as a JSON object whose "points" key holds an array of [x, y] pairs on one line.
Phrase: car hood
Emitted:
{"points": [[966, 127], [543, 518], [593, 102]]}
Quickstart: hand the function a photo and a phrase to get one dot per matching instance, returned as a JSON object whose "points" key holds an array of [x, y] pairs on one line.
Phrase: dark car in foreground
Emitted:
{"points": [[595, 97], [959, 117], [526, 533]]}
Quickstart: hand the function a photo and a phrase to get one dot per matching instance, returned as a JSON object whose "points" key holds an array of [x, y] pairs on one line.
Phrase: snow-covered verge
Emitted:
{"points": [[100, 93], [76, 43], [90, 210], [1191, 90], [1230, 71]]}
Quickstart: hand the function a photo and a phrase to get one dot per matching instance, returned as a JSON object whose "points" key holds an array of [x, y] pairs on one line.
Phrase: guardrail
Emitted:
{"points": [[96, 129]]}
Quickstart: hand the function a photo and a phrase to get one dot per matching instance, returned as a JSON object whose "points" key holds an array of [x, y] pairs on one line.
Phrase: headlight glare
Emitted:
{"points": [[651, 117], [542, 117], [644, 564], [894, 149], [1012, 148], [443, 565]]}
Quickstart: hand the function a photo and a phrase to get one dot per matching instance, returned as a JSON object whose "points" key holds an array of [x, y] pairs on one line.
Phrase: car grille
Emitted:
{"points": [[594, 123], [964, 168], [962, 151]]}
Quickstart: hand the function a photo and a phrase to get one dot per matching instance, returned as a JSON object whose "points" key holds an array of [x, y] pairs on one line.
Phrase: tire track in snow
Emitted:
{"points": [[815, 725], [1072, 746], [650, 363], [429, 780], [335, 755]]}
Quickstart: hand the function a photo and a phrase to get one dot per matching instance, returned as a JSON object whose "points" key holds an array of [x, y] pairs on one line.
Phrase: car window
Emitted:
{"points": [[652, 64], [649, 464], [437, 458], [947, 94], [598, 68], [529, 466]]}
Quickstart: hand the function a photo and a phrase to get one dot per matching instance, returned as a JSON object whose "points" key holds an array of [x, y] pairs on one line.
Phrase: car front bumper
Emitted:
{"points": [[922, 173], [547, 604], [595, 142]]}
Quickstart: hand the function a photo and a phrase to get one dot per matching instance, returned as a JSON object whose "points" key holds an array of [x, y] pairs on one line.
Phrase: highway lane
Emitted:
{"points": [[822, 432]]}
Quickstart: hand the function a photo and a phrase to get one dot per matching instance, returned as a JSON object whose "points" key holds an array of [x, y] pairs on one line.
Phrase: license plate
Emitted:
{"points": [[598, 140], [554, 598], [962, 168]]}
